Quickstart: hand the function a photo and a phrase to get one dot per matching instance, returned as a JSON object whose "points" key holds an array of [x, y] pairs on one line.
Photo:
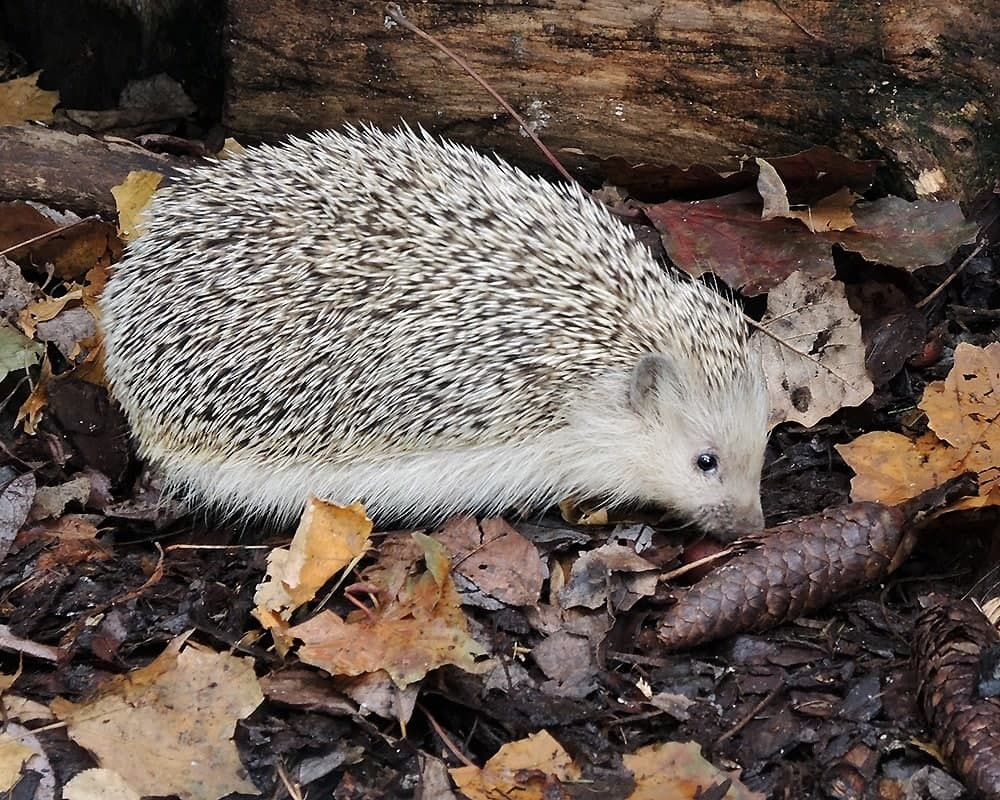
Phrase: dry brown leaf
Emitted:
{"points": [[612, 572], [22, 101], [167, 728], [94, 282], [964, 408], [329, 538], [418, 626], [132, 197], [46, 309], [891, 468], [964, 411], [519, 769], [676, 770], [814, 356], [13, 754], [495, 559], [98, 784], [30, 412], [71, 246], [832, 213], [17, 351]]}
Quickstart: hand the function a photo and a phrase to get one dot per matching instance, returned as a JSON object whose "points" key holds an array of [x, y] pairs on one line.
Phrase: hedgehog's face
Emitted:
{"points": [[706, 443]]}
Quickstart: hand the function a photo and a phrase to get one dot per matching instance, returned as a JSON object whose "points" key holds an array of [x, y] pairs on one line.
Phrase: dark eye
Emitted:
{"points": [[707, 462]]}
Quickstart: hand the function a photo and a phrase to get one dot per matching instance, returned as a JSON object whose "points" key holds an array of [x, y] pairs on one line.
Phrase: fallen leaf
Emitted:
{"points": [[17, 351], [72, 247], [30, 412], [906, 234], [13, 755], [519, 769], [611, 574], [16, 293], [727, 237], [964, 408], [677, 770], [167, 728], [831, 213], [22, 101], [813, 354], [890, 467], [51, 501], [132, 197], [68, 330], [46, 309], [15, 503], [963, 411], [328, 539], [98, 784], [418, 626], [496, 561]]}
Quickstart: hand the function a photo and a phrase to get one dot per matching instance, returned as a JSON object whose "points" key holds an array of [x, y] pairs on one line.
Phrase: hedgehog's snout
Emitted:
{"points": [[731, 521]]}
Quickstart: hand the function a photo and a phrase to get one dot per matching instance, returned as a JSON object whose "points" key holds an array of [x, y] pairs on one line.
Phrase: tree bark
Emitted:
{"points": [[910, 82], [69, 171]]}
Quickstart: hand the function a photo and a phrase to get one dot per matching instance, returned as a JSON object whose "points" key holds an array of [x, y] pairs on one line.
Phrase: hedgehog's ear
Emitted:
{"points": [[653, 377]]}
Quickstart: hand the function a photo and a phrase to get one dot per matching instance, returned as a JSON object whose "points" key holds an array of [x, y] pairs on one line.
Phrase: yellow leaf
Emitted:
{"points": [[132, 196], [22, 101]]}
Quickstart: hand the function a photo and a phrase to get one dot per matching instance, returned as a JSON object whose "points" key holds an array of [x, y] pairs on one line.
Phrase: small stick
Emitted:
{"points": [[955, 274], [395, 13], [47, 235]]}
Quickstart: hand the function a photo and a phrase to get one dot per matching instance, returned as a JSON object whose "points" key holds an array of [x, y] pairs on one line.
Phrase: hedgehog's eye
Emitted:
{"points": [[708, 462]]}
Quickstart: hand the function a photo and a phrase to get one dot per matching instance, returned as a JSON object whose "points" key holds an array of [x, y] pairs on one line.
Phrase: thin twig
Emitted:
{"points": [[395, 13], [47, 235], [445, 737], [749, 717], [955, 274]]}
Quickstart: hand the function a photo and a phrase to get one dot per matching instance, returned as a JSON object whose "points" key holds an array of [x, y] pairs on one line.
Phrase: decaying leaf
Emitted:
{"points": [[70, 245], [964, 411], [906, 234], [677, 770], [16, 499], [951, 639], [751, 244], [496, 565], [17, 351], [46, 309], [98, 784], [813, 354], [132, 196], [832, 213], [13, 755], [30, 412], [612, 574], [727, 237], [22, 101], [167, 728], [529, 768], [418, 625], [328, 539]]}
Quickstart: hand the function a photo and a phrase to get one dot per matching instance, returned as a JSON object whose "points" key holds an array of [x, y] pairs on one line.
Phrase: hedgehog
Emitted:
{"points": [[389, 317]]}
